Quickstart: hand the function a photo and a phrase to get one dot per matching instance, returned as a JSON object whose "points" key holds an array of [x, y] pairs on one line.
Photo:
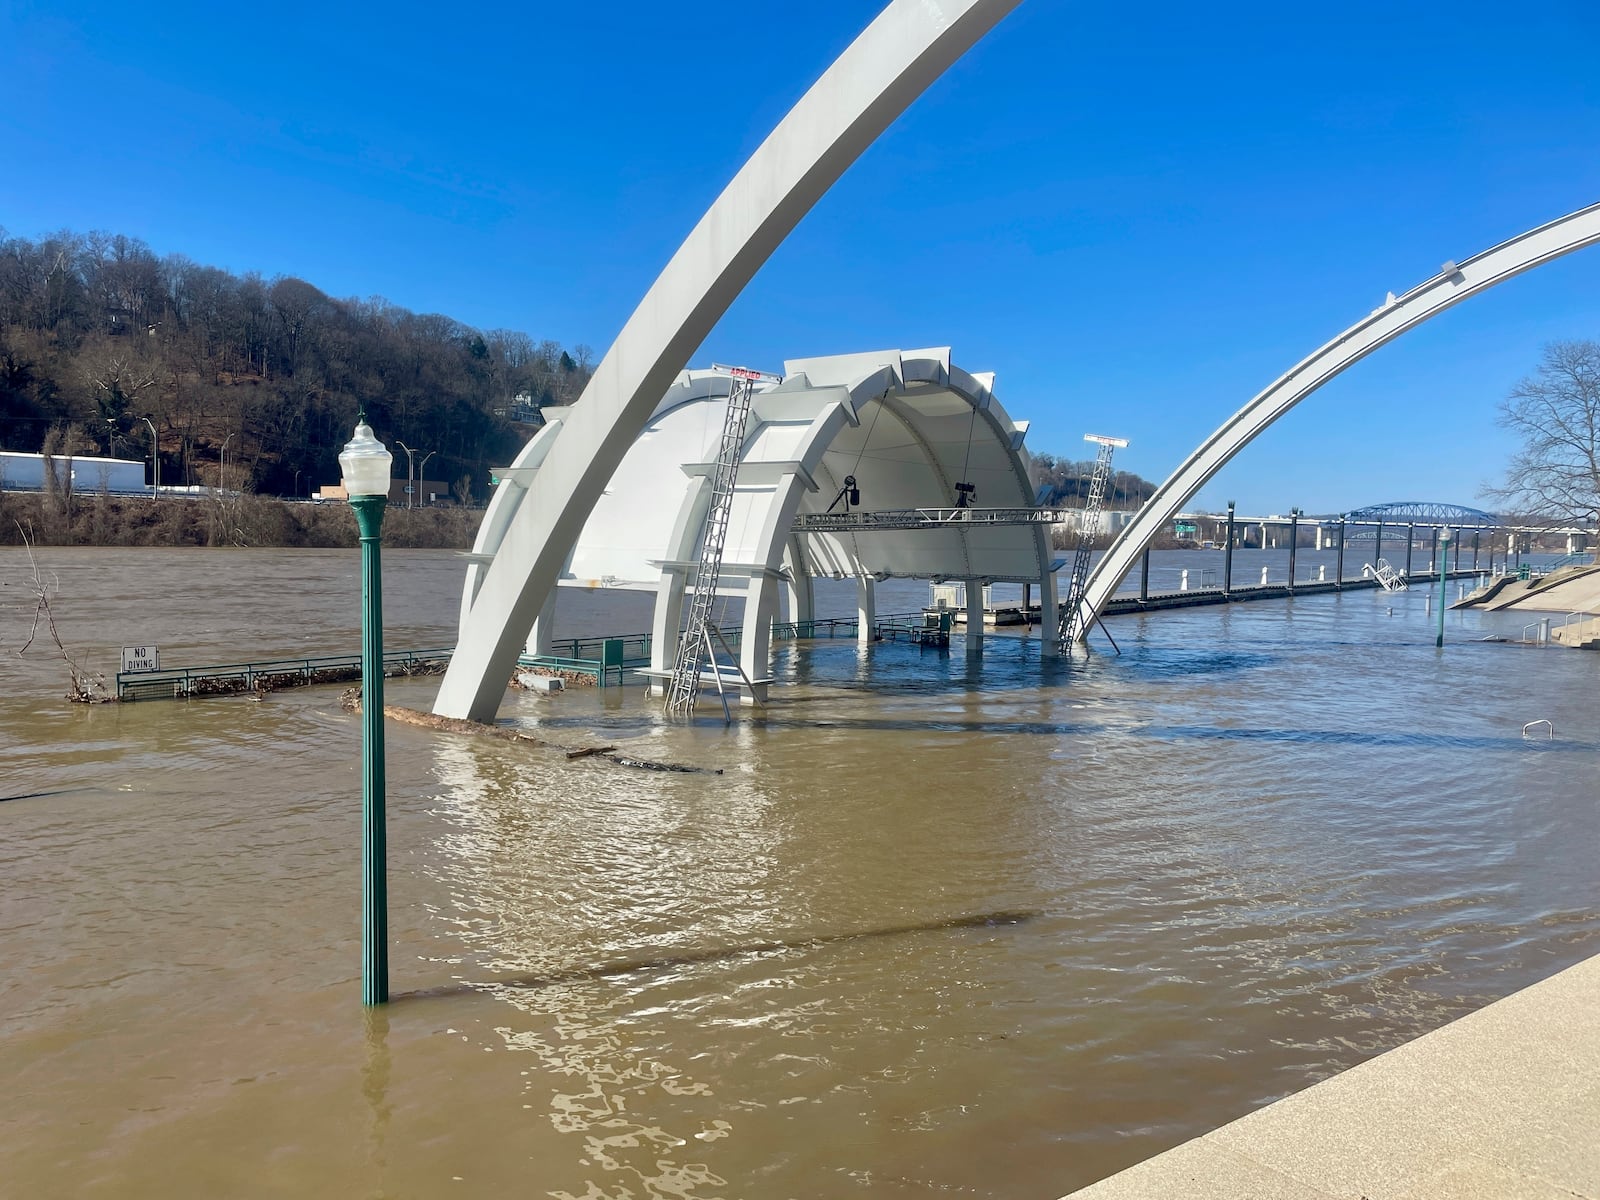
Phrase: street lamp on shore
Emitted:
{"points": [[1444, 562], [155, 459], [413, 471], [366, 464], [422, 470]]}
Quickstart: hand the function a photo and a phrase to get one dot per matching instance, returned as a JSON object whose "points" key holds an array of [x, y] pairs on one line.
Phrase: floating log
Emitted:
{"points": [[351, 702]]}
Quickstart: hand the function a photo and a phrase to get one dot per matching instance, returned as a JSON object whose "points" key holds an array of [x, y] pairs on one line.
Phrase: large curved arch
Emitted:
{"points": [[907, 46], [1453, 284]]}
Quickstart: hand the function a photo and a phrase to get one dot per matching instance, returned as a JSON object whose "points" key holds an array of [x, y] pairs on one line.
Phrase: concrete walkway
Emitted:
{"points": [[1578, 592], [1503, 1104]]}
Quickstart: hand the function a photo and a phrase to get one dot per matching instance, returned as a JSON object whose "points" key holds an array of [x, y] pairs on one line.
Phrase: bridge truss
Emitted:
{"points": [[1424, 512]]}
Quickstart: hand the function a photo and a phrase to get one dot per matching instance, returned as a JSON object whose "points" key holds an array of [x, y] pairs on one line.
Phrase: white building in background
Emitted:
{"points": [[905, 426], [88, 474], [1111, 521]]}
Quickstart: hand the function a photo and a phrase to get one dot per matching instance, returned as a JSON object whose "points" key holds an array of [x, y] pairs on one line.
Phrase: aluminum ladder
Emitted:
{"points": [[1388, 578], [694, 644], [1071, 625]]}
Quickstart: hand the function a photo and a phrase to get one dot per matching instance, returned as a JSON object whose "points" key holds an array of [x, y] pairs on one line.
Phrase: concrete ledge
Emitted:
{"points": [[1500, 1105]]}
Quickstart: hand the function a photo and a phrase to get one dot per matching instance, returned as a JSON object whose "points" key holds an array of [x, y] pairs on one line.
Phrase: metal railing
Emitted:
{"points": [[825, 627], [1579, 559], [598, 657], [268, 674], [634, 646], [928, 628], [1579, 619]]}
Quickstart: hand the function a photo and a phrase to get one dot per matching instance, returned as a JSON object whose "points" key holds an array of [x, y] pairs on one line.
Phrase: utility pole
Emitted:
{"points": [[410, 462], [155, 460], [411, 487], [422, 471]]}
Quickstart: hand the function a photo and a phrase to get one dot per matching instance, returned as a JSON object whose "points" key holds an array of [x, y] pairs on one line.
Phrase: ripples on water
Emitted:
{"points": [[1260, 846]]}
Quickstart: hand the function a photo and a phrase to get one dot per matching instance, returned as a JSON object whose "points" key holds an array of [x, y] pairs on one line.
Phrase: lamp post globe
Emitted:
{"points": [[365, 463]]}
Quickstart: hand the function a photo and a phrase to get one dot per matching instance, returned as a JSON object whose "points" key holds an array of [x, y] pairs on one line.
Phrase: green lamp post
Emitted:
{"points": [[1444, 561], [366, 478]]}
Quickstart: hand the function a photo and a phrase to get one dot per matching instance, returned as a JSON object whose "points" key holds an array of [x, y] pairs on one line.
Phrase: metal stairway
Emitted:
{"points": [[1071, 624], [694, 645]]}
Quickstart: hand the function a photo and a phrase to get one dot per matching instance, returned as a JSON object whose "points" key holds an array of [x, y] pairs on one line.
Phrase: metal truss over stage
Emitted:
{"points": [[860, 521]]}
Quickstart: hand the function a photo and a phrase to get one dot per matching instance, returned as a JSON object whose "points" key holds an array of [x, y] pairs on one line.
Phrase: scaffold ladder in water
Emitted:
{"points": [[1071, 626], [1388, 578], [694, 645]]}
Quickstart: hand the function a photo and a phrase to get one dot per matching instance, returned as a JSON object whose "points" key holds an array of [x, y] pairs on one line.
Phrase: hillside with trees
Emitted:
{"points": [[253, 384], [257, 378], [1064, 483]]}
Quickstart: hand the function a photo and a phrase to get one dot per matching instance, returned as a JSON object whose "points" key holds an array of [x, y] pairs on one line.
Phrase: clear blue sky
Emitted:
{"points": [[1137, 215]]}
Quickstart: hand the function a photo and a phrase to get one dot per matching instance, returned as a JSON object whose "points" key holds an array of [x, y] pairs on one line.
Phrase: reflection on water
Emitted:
{"points": [[1262, 844], [375, 1087]]}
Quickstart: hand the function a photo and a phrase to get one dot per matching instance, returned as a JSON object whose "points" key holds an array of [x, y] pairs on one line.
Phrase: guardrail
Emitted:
{"points": [[269, 674], [605, 656], [1578, 559], [826, 627], [634, 645]]}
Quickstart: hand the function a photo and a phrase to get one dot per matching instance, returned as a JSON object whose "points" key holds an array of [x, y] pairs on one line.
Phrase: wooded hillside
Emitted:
{"points": [[254, 384], [1065, 484], [261, 376]]}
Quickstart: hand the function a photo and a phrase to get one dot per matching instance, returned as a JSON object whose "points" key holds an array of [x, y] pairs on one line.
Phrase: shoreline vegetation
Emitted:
{"points": [[100, 519]]}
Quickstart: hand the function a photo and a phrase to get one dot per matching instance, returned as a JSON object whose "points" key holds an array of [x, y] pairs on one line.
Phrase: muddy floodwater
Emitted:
{"points": [[939, 928]]}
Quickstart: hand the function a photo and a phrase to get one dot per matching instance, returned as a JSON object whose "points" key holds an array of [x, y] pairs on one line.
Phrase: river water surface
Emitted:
{"points": [[1263, 844]]}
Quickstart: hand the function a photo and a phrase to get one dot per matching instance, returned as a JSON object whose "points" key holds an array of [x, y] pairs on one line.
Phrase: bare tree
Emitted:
{"points": [[86, 686], [1556, 413], [116, 378]]}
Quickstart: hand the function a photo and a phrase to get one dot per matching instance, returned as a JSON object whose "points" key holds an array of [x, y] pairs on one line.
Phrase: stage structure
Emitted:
{"points": [[838, 438]]}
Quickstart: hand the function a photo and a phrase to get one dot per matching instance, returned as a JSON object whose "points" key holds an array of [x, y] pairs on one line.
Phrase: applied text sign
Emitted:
{"points": [[140, 658]]}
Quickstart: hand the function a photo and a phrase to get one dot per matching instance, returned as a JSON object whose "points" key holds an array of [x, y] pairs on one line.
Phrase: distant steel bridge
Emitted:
{"points": [[1422, 512]]}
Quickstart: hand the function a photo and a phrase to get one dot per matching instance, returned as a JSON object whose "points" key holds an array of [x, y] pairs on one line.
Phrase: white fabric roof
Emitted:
{"points": [[906, 424]]}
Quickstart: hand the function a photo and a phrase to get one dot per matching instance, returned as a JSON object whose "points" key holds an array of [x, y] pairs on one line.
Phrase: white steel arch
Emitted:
{"points": [[1454, 283], [529, 530]]}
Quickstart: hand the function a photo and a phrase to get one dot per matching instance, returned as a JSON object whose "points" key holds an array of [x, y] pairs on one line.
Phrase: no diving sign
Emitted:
{"points": [[140, 658]]}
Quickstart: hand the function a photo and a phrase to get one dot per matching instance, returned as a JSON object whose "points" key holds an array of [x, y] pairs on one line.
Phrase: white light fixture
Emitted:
{"points": [[365, 463]]}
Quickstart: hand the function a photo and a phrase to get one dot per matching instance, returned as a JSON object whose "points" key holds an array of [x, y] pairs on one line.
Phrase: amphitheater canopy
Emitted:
{"points": [[906, 426]]}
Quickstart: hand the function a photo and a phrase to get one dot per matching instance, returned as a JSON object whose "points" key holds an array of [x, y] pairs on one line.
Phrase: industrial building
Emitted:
{"points": [[86, 473]]}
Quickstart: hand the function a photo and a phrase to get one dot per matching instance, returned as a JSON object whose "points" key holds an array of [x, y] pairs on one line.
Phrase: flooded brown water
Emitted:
{"points": [[1264, 844]]}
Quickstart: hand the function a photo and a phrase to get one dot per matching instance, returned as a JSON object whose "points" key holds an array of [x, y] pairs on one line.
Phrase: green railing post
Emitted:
{"points": [[374, 834]]}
